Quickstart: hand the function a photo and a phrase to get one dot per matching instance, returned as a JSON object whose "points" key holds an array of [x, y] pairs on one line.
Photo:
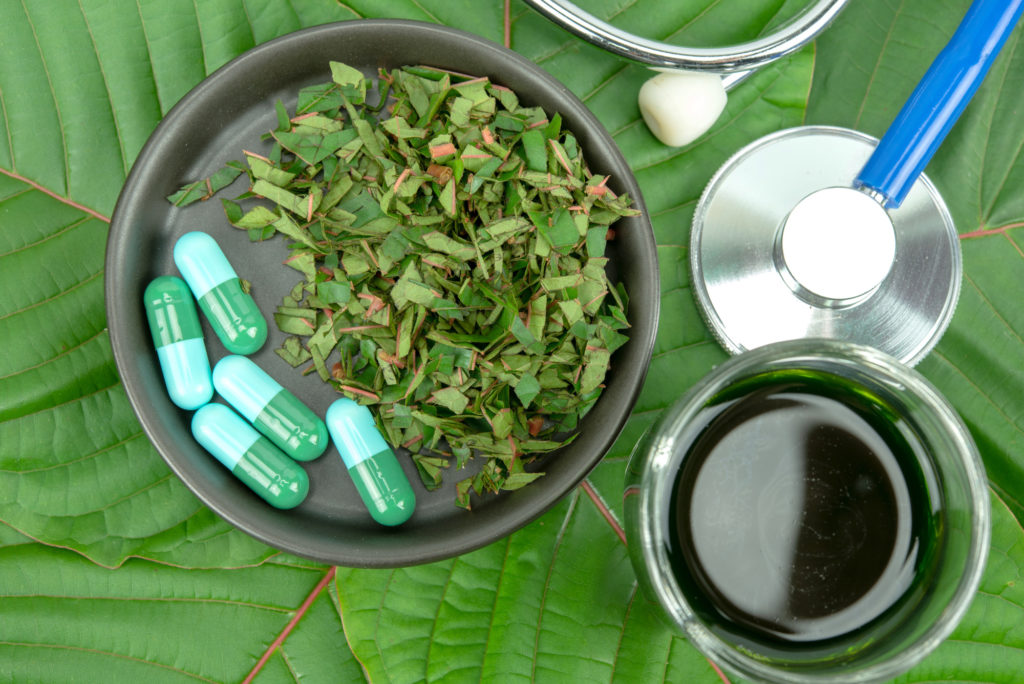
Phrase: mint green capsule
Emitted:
{"points": [[232, 313], [272, 409], [178, 339], [279, 480], [372, 464]]}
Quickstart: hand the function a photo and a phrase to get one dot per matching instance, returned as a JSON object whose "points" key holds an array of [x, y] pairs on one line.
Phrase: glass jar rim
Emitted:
{"points": [[818, 354]]}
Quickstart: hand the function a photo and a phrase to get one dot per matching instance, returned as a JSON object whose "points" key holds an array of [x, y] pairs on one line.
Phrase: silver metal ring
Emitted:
{"points": [[748, 303], [743, 57]]}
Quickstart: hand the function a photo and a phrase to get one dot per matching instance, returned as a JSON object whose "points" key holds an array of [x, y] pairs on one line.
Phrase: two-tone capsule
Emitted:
{"points": [[378, 477], [233, 314], [178, 338], [260, 465], [272, 409]]}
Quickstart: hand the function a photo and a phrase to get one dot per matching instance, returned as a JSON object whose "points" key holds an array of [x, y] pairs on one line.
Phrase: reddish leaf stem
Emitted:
{"points": [[604, 511], [721, 675], [617, 528], [303, 609], [54, 195], [981, 232]]}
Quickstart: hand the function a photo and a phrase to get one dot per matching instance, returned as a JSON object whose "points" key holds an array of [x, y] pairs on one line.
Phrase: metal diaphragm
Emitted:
{"points": [[749, 299]]}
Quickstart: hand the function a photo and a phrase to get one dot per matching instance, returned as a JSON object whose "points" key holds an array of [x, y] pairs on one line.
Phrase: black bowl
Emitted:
{"points": [[228, 112]]}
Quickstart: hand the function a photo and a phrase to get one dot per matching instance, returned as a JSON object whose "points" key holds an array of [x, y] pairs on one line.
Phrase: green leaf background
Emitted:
{"points": [[111, 570]]}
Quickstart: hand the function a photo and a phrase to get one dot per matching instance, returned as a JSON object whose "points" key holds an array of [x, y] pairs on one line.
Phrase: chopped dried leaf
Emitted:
{"points": [[453, 263]]}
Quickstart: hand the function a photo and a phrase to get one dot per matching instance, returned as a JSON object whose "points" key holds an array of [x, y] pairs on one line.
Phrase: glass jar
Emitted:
{"points": [[785, 547]]}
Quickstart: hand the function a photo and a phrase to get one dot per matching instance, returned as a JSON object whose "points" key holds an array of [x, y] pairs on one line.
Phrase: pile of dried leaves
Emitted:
{"points": [[453, 259]]}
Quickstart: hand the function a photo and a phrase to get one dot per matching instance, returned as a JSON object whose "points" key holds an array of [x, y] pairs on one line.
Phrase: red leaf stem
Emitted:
{"points": [[303, 609]]}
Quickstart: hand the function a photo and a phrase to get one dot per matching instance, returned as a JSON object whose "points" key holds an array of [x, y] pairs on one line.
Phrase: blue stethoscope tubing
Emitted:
{"points": [[908, 309], [938, 100]]}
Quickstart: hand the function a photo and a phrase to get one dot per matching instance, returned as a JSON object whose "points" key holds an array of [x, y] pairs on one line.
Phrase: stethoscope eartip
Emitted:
{"points": [[680, 106]]}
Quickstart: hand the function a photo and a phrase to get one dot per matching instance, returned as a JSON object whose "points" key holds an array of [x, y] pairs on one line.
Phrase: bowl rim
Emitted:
{"points": [[528, 503]]}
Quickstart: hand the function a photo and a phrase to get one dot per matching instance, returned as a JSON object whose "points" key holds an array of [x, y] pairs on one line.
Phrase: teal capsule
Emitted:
{"points": [[275, 411], [178, 338], [233, 314], [370, 461], [279, 480]]}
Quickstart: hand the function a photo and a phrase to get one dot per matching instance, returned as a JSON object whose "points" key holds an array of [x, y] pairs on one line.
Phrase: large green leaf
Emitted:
{"points": [[517, 610], [988, 645], [84, 82], [66, 619], [424, 623], [77, 470]]}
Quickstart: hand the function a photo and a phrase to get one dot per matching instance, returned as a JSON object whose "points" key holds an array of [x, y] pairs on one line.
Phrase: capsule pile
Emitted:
{"points": [[267, 431]]}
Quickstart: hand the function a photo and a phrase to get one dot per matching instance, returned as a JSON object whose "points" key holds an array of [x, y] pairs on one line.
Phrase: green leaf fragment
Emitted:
{"points": [[263, 169], [534, 150], [333, 292], [594, 371], [527, 389], [451, 398], [558, 229], [206, 188], [344, 75]]}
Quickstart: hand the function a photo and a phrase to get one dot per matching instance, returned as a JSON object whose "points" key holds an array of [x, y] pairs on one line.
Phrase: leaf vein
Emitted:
{"points": [[152, 599], [1020, 143], [1000, 597], [300, 613], [345, 5], [60, 198], [84, 457], [995, 311], [674, 207], [34, 305], [437, 617], [54, 358], [72, 401], [96, 651], [429, 14], [61, 231], [622, 633], [681, 347], [376, 625], [149, 55], [547, 580], [202, 40], [7, 127], [53, 94], [128, 496], [494, 605], [1003, 493], [625, 127], [106, 85], [622, 9], [973, 384], [288, 664], [878, 64]]}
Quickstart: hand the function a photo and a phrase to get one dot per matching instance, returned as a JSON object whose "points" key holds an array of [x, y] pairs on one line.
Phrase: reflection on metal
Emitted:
{"points": [[744, 57], [751, 294]]}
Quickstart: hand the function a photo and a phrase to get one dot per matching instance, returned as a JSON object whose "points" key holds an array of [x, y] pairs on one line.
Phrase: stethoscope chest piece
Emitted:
{"points": [[783, 247]]}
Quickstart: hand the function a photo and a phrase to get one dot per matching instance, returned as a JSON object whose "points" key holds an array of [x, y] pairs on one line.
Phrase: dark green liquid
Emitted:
{"points": [[801, 514]]}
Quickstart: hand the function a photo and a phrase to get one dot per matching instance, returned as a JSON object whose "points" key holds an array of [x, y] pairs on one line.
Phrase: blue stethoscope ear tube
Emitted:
{"points": [[938, 100]]}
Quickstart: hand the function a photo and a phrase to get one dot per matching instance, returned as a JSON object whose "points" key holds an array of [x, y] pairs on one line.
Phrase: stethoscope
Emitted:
{"points": [[687, 97], [820, 231]]}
